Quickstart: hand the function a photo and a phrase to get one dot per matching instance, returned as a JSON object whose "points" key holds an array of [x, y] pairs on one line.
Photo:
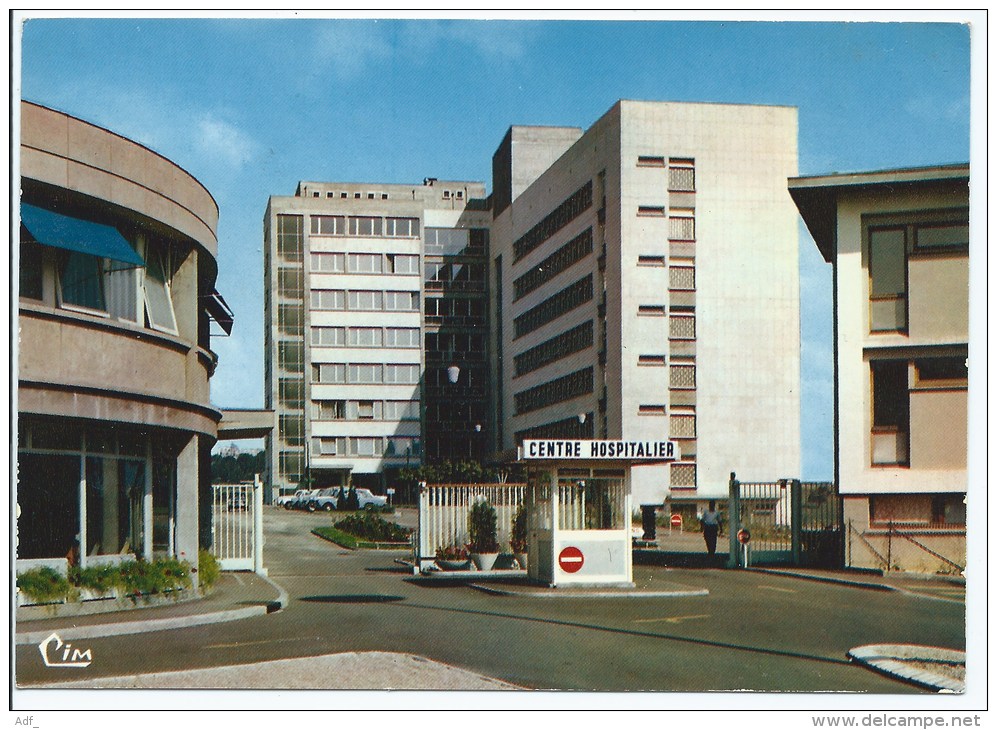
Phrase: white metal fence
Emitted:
{"points": [[237, 526], [444, 511]]}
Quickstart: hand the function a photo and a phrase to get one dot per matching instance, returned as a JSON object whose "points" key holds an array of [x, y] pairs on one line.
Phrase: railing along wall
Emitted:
{"points": [[444, 510]]}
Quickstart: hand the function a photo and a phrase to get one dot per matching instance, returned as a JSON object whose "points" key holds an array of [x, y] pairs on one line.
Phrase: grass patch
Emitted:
{"points": [[352, 542]]}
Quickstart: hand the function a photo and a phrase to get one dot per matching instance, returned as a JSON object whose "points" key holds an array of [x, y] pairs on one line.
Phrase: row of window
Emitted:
{"points": [[370, 446], [575, 205], [364, 263], [564, 388], [566, 428], [448, 307], [455, 276], [570, 253], [557, 305], [290, 237], [574, 340], [364, 226], [365, 410], [365, 373], [408, 337], [356, 195], [461, 343], [455, 241], [100, 286], [365, 301]]}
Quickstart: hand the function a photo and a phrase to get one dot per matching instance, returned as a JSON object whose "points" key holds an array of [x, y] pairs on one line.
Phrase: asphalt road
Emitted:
{"points": [[753, 631]]}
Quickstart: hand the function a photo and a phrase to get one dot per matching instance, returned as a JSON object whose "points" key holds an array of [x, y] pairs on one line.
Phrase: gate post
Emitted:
{"points": [[733, 520], [258, 526], [422, 531], [796, 518]]}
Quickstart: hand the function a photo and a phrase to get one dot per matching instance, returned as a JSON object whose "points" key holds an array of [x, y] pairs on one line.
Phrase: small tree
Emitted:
{"points": [[482, 528], [518, 534]]}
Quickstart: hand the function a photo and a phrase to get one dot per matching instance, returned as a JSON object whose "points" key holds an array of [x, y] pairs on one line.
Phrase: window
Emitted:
{"points": [[328, 225], [941, 236], [329, 446], [651, 409], [651, 210], [681, 175], [330, 410], [683, 475], [402, 263], [574, 206], [328, 336], [566, 256], [401, 410], [365, 301], [328, 263], [328, 299], [556, 391], [681, 224], [407, 374], [401, 227], [651, 310], [365, 263], [401, 301], [890, 412], [574, 340], [682, 278], [365, 373], [290, 237], [329, 372], [569, 298], [365, 410], [292, 392], [401, 337], [366, 446], [941, 372], [291, 356], [81, 281], [888, 279], [364, 226], [682, 424], [29, 269], [365, 337], [650, 161], [682, 373], [650, 260], [290, 282], [653, 360], [682, 324]]}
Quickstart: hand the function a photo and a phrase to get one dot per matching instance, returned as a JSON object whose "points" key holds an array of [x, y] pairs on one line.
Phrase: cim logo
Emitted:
{"points": [[56, 653]]}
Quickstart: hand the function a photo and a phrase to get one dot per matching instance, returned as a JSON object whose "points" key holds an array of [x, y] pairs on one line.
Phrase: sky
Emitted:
{"points": [[252, 106]]}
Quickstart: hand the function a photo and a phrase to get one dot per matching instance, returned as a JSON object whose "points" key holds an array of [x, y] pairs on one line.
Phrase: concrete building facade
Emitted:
{"points": [[373, 294], [898, 241], [647, 287], [117, 266]]}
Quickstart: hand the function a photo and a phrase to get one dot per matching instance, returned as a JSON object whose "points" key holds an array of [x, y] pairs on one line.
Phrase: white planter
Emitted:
{"points": [[484, 561]]}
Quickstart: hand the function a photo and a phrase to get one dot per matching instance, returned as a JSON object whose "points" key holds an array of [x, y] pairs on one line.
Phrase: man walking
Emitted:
{"points": [[711, 527]]}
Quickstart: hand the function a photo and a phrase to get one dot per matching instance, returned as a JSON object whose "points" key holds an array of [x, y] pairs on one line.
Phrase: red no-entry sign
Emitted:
{"points": [[571, 560], [744, 536]]}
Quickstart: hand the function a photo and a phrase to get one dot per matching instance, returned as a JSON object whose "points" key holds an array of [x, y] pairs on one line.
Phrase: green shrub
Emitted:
{"points": [[482, 528], [45, 585], [370, 526], [209, 570], [100, 578]]}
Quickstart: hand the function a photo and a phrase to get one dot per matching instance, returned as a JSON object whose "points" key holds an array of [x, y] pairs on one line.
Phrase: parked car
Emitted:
{"points": [[283, 499], [368, 499], [300, 499], [326, 500], [237, 502]]}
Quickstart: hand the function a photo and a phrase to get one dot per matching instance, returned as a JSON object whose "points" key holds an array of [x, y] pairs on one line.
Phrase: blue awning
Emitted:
{"points": [[73, 234]]}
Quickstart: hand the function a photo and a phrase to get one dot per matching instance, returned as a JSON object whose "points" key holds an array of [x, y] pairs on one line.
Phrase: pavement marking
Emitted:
{"points": [[671, 619], [255, 643], [781, 590]]}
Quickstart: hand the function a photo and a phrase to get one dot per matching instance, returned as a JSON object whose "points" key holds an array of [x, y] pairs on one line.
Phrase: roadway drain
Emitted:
{"points": [[354, 598]]}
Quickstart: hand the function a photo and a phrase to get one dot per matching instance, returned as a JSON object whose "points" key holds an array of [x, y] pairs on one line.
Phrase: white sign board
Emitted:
{"points": [[598, 449]]}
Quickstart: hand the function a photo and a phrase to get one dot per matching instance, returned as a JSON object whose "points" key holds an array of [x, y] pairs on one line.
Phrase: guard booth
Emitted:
{"points": [[579, 504]]}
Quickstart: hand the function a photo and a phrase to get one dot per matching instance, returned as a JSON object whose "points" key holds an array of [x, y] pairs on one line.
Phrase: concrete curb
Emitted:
{"points": [[828, 579], [125, 628], [569, 593], [889, 659]]}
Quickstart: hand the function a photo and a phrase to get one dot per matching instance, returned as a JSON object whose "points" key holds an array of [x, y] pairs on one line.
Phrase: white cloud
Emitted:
{"points": [[349, 47], [217, 138]]}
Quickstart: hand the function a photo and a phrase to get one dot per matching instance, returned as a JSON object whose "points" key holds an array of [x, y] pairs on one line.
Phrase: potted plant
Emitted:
{"points": [[453, 557], [518, 536], [483, 534]]}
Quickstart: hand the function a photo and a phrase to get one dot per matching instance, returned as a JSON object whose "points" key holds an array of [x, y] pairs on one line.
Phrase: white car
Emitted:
{"points": [[367, 499], [326, 499]]}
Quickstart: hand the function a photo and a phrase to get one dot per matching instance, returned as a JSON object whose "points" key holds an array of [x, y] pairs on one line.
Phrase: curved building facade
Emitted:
{"points": [[117, 267]]}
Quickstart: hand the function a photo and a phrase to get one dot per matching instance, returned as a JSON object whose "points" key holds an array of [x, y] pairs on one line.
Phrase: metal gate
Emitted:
{"points": [[237, 526], [790, 523]]}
